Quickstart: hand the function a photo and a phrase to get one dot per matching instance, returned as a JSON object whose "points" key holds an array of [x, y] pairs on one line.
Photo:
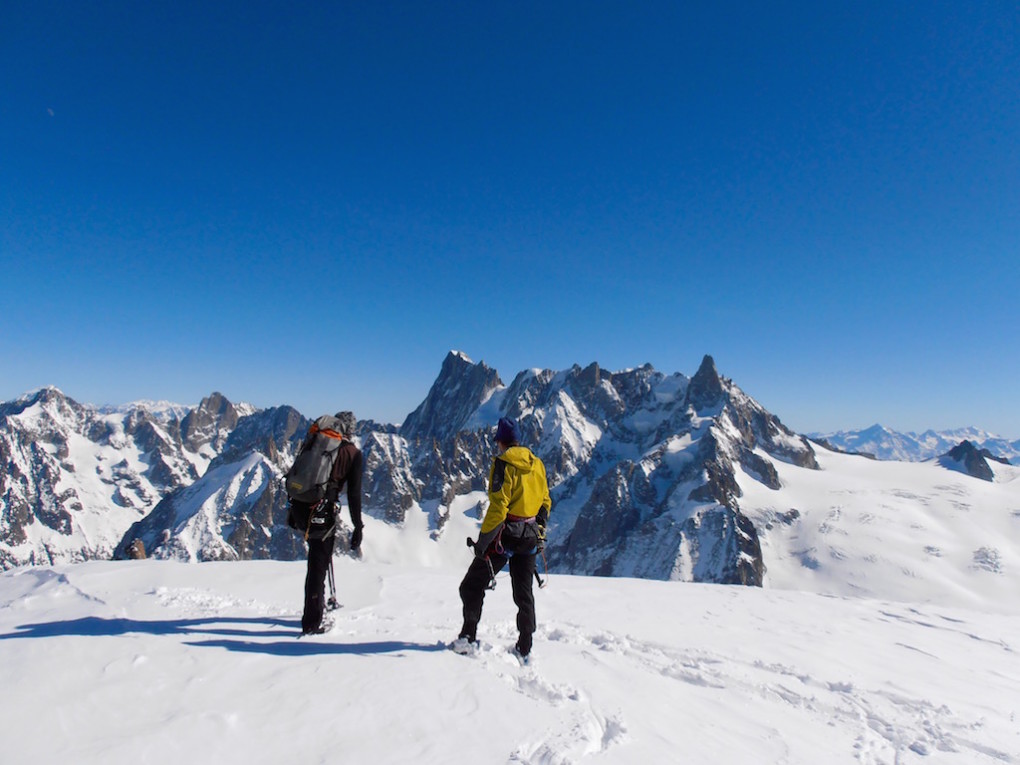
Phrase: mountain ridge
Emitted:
{"points": [[889, 444], [652, 475]]}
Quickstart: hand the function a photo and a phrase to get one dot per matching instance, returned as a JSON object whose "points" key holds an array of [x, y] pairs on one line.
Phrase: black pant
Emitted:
{"points": [[320, 552], [476, 580]]}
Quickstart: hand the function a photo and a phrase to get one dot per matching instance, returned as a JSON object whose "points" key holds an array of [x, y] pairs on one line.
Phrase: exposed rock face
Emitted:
{"points": [[967, 458], [460, 389], [276, 432], [210, 424], [136, 550], [705, 390], [389, 481], [725, 547], [610, 515]]}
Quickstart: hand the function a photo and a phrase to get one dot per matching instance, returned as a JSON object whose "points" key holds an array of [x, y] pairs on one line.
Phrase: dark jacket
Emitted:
{"points": [[347, 469]]}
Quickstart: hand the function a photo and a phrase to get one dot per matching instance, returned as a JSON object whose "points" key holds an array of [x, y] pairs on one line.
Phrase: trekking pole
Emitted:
{"points": [[332, 604]]}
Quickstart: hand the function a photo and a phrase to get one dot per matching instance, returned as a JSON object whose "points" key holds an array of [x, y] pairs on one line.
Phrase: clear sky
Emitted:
{"points": [[311, 203]]}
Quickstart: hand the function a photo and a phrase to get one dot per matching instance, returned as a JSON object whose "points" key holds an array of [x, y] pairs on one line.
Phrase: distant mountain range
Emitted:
{"points": [[652, 475], [887, 444]]}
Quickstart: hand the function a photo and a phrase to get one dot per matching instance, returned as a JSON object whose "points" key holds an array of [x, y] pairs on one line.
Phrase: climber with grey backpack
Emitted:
{"points": [[327, 461]]}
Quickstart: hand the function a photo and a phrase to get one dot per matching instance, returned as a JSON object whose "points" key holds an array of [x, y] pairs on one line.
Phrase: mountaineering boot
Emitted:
{"points": [[464, 646], [523, 658], [324, 626]]}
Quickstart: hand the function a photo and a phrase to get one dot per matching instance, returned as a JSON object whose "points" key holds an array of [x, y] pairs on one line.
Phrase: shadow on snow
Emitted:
{"points": [[94, 626], [318, 647]]}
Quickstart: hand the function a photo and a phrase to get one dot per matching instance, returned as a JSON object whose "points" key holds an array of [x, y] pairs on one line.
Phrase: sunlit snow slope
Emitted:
{"points": [[164, 662]]}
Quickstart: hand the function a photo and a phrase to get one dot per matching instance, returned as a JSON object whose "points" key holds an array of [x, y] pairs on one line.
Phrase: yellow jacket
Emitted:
{"points": [[517, 486]]}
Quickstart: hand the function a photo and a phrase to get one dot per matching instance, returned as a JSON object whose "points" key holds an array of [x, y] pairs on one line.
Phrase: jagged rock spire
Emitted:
{"points": [[214, 418], [460, 388], [706, 388], [970, 459]]}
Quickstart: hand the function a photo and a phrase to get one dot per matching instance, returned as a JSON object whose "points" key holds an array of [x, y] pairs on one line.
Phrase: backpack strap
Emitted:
{"points": [[326, 432]]}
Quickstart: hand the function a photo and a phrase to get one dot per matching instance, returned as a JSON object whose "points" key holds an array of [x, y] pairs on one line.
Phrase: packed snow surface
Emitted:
{"points": [[914, 532], [168, 662]]}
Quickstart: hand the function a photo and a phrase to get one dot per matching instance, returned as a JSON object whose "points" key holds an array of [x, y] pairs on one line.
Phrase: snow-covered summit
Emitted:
{"points": [[161, 410]]}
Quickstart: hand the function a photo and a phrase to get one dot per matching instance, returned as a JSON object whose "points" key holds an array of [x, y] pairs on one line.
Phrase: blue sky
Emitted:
{"points": [[311, 203]]}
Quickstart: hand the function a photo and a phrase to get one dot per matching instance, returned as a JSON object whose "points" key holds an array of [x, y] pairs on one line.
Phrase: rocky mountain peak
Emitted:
{"points": [[971, 460], [45, 397], [462, 386], [209, 423], [590, 376], [276, 433], [706, 388]]}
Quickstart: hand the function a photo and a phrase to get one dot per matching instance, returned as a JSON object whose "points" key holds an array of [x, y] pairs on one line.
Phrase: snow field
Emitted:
{"points": [[159, 662], [906, 531]]}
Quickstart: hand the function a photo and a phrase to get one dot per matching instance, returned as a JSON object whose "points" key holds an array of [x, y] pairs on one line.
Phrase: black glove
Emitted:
{"points": [[484, 540], [356, 538], [542, 519]]}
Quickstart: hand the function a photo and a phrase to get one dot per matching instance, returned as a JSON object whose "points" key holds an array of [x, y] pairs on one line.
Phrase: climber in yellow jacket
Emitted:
{"points": [[513, 531]]}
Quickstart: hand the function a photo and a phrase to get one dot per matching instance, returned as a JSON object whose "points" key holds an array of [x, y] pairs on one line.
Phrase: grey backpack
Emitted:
{"points": [[306, 480]]}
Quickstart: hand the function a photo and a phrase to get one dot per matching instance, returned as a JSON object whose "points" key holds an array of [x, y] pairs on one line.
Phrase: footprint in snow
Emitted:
{"points": [[588, 733]]}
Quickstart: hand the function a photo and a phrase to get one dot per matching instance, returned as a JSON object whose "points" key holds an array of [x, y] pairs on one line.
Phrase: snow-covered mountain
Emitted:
{"points": [[640, 463], [76, 477], [237, 509], [653, 475], [672, 477], [887, 444]]}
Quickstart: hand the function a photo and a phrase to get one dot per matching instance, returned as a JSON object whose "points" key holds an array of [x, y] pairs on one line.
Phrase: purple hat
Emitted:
{"points": [[507, 431]]}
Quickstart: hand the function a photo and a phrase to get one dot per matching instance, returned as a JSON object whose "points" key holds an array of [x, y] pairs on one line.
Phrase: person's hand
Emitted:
{"points": [[484, 540], [356, 536]]}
